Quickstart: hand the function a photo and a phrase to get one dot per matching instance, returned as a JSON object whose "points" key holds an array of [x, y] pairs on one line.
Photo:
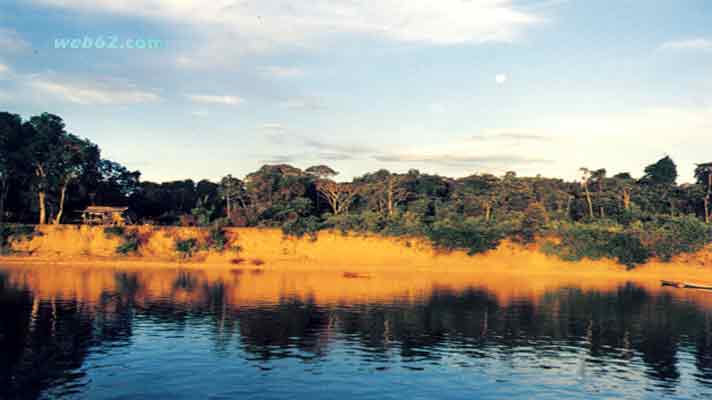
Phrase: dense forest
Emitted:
{"points": [[48, 175]]}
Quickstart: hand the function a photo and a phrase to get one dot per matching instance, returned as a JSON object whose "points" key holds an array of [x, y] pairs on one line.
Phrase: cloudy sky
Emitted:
{"points": [[449, 86]]}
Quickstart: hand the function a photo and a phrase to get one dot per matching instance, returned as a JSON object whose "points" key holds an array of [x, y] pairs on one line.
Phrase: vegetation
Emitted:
{"points": [[130, 239], [186, 248], [48, 175], [8, 233]]}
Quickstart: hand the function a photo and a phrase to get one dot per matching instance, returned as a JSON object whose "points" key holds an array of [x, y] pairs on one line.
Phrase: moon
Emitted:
{"points": [[500, 78]]}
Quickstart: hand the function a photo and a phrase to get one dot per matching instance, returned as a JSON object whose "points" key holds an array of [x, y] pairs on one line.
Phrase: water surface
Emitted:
{"points": [[107, 333]]}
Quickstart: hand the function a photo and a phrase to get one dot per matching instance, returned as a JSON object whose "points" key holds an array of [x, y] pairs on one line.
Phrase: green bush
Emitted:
{"points": [[8, 233], [113, 231], [474, 235], [670, 236], [217, 238], [186, 248], [130, 239], [403, 224], [354, 222], [131, 244], [302, 226], [596, 241], [533, 223]]}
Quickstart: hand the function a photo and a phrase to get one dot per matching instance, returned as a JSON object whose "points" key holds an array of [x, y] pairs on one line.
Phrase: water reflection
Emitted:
{"points": [[66, 331]]}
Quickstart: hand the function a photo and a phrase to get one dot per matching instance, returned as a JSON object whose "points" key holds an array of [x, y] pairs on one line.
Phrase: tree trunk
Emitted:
{"points": [[43, 209], [41, 195], [62, 196], [708, 196], [589, 201], [626, 199], [3, 196], [389, 195]]}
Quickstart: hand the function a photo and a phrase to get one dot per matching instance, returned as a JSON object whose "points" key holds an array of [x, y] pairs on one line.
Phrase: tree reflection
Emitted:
{"points": [[45, 340]]}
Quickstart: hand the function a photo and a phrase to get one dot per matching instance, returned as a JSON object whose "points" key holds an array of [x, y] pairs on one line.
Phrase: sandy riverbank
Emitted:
{"points": [[269, 249]]}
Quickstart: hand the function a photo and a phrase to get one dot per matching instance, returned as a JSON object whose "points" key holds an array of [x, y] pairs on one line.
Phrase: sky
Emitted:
{"points": [[452, 87]]}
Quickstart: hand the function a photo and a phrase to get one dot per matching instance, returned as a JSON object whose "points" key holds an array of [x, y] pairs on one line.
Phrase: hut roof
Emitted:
{"points": [[105, 209]]}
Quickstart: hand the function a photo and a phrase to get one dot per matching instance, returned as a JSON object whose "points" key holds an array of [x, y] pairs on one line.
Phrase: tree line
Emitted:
{"points": [[47, 175]]}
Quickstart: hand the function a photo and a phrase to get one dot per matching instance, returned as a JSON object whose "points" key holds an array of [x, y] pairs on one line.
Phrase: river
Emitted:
{"points": [[122, 333]]}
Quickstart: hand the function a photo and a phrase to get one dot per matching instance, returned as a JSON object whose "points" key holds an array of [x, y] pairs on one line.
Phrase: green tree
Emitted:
{"points": [[232, 190], [703, 175], [662, 172], [321, 171], [12, 155], [75, 158]]}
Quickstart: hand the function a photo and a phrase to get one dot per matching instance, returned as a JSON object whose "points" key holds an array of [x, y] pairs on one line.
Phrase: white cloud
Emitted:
{"points": [[500, 78], [508, 160], [215, 99], [10, 41], [302, 103], [273, 126], [688, 44], [92, 94], [266, 23], [512, 135], [282, 72], [4, 68]]}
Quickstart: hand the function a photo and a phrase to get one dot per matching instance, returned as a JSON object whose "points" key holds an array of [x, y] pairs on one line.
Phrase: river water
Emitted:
{"points": [[112, 333]]}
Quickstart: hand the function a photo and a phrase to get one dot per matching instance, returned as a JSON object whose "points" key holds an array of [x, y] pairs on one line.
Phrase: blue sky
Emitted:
{"points": [[453, 87]]}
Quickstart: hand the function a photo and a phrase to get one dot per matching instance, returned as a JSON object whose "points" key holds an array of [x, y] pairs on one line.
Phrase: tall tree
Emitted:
{"points": [[662, 172], [625, 183], [75, 158], [12, 154], [44, 152], [115, 184], [338, 195], [598, 177], [321, 171], [703, 174], [232, 190], [585, 179]]}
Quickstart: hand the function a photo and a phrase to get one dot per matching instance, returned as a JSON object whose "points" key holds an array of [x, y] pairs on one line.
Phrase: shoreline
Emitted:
{"points": [[269, 250]]}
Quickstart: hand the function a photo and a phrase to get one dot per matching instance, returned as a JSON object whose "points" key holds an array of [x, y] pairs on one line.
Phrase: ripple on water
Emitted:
{"points": [[178, 334]]}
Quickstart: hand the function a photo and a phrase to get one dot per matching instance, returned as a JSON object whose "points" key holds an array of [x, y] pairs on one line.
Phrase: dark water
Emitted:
{"points": [[116, 334]]}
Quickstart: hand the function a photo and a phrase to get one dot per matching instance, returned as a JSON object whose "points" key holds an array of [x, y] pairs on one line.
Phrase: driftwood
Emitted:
{"points": [[686, 285]]}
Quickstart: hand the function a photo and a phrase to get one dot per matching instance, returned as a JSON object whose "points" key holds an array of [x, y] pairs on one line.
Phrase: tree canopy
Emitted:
{"points": [[48, 175]]}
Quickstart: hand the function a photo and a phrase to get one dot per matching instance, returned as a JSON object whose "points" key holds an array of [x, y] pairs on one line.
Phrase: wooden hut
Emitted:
{"points": [[103, 215]]}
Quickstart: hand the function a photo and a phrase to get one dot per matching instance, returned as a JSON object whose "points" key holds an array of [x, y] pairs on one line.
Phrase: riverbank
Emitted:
{"points": [[269, 249]]}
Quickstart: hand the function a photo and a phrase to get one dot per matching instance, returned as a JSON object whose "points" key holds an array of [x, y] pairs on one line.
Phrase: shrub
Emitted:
{"points": [[596, 241], [474, 235], [114, 231], [671, 236], [131, 240], [403, 224], [186, 248], [131, 244], [303, 226], [352, 222], [8, 233], [217, 238], [533, 223]]}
